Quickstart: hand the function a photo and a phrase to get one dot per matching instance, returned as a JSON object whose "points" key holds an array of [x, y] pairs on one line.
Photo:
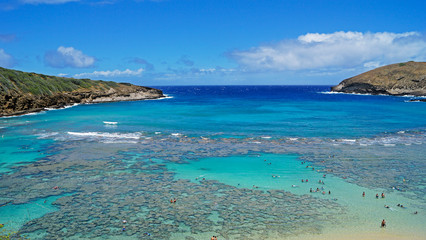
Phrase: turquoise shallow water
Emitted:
{"points": [[273, 171], [163, 149]]}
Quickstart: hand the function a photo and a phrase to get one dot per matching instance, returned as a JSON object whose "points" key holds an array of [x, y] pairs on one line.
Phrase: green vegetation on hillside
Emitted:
{"points": [[39, 84]]}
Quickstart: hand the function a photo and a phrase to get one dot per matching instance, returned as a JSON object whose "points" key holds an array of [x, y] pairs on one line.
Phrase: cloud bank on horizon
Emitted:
{"points": [[113, 73], [334, 50]]}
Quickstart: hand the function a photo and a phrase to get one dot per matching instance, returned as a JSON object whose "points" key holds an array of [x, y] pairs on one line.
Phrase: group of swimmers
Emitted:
{"points": [[173, 200], [377, 195], [213, 238], [318, 190]]}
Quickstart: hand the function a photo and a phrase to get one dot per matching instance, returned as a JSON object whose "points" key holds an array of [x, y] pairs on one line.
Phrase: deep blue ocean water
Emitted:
{"points": [[279, 111], [369, 143]]}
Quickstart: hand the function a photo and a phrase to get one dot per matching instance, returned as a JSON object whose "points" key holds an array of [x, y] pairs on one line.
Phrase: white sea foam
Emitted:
{"points": [[176, 134], [369, 94], [119, 141], [106, 135], [266, 137], [353, 93], [110, 123], [64, 107], [47, 135], [388, 140], [42, 112], [23, 115], [389, 145], [161, 98]]}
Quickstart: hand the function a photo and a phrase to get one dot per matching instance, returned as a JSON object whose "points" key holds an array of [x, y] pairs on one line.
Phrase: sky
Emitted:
{"points": [[210, 42]]}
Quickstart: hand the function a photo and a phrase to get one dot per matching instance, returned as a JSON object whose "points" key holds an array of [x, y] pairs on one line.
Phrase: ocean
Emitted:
{"points": [[242, 162]]}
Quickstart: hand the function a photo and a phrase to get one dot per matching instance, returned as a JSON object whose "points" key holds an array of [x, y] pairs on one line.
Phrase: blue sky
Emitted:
{"points": [[204, 42]]}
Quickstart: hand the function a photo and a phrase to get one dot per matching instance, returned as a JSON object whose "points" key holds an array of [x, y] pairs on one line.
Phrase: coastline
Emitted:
{"points": [[73, 104], [380, 234]]}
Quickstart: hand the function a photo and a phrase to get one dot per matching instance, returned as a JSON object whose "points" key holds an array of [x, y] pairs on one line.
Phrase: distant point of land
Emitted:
{"points": [[398, 79], [24, 92]]}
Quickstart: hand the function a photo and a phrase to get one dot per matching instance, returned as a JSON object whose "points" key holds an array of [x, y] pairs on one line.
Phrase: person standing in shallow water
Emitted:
{"points": [[383, 223]]}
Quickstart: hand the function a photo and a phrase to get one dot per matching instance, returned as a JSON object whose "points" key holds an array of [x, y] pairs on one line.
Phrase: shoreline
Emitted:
{"points": [[380, 234], [378, 94], [56, 107]]}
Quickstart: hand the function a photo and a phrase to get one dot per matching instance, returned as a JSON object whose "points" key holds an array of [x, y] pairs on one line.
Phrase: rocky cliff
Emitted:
{"points": [[396, 79], [22, 92]]}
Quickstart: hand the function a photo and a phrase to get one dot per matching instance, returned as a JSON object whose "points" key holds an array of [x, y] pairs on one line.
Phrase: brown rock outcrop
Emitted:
{"points": [[396, 79]]}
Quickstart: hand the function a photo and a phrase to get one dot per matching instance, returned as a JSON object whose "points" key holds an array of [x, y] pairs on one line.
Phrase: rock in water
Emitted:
{"points": [[396, 79], [23, 92]]}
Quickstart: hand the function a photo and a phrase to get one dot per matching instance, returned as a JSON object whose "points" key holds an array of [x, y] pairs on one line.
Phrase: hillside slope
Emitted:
{"points": [[23, 92], [396, 79]]}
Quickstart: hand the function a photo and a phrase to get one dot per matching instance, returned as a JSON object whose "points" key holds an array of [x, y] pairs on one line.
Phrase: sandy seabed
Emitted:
{"points": [[382, 234]]}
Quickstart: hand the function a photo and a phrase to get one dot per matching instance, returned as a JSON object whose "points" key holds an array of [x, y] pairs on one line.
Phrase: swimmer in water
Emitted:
{"points": [[377, 195], [363, 194], [383, 195], [386, 206], [383, 223]]}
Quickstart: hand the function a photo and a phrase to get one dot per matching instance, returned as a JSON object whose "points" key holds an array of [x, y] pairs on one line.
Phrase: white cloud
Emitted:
{"points": [[47, 1], [339, 49], [6, 60], [114, 73], [68, 57]]}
